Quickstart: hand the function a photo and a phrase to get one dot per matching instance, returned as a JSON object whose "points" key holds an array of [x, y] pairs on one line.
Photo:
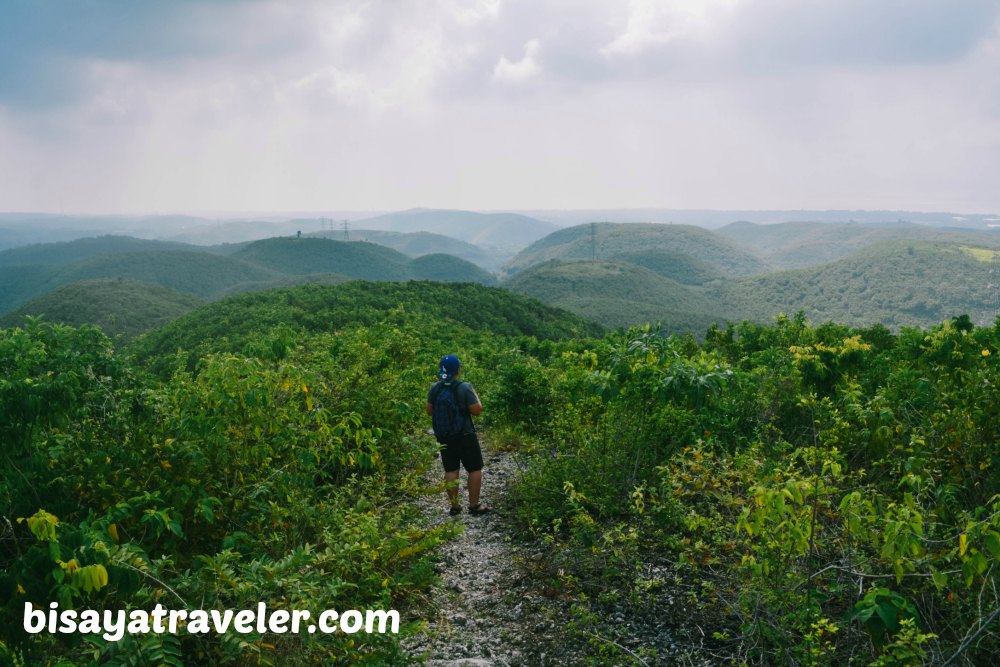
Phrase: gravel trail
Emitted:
{"points": [[490, 614], [494, 610]]}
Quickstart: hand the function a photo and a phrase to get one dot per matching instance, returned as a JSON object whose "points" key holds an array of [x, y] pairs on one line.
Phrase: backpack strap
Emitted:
{"points": [[439, 387]]}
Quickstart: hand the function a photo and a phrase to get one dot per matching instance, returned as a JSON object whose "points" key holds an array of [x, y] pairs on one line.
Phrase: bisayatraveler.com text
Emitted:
{"points": [[113, 625]]}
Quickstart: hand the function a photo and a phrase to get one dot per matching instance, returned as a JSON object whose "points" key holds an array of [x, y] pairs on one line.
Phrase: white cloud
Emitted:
{"points": [[525, 69], [371, 104]]}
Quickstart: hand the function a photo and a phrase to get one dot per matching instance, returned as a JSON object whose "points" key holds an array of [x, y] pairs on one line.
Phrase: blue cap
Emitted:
{"points": [[449, 367]]}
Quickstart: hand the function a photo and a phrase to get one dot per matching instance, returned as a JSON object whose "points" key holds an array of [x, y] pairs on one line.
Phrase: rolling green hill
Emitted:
{"points": [[439, 266], [326, 308], [31, 271], [192, 271], [616, 294], [898, 283], [417, 244], [356, 260], [799, 244], [119, 306], [72, 251], [20, 283], [612, 240], [299, 256], [505, 231], [674, 265]]}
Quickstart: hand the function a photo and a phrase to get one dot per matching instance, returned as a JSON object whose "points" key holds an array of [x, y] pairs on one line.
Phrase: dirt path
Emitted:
{"points": [[493, 612], [490, 615]]}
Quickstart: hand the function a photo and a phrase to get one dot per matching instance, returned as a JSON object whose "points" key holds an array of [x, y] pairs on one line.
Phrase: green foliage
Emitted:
{"points": [[271, 476], [119, 307], [447, 311], [780, 471]]}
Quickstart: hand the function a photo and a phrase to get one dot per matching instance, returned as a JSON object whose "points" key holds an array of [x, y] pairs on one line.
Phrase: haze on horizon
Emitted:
{"points": [[499, 104]]}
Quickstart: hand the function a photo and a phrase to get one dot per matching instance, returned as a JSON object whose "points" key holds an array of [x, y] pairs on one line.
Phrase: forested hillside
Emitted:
{"points": [[120, 307], [227, 324], [617, 294], [798, 244], [896, 283], [608, 241], [71, 251]]}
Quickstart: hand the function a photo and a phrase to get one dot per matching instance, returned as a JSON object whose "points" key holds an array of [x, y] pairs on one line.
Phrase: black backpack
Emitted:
{"points": [[448, 415]]}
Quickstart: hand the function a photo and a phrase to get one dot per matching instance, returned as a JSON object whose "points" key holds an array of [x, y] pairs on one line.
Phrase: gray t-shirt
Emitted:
{"points": [[466, 396]]}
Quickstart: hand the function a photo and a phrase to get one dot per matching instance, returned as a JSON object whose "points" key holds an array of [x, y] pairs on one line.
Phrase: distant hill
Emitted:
{"points": [[713, 219], [354, 259], [327, 308], [801, 244], [119, 306], [612, 240], [449, 268], [20, 283], [416, 244], [898, 283], [674, 265], [192, 271], [616, 294], [506, 231], [70, 251], [33, 270]]}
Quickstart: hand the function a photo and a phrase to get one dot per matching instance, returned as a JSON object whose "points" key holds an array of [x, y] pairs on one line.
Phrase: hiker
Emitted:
{"points": [[452, 404]]}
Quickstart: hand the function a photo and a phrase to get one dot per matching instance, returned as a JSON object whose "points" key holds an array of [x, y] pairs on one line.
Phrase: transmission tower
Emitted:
{"points": [[593, 241], [347, 225]]}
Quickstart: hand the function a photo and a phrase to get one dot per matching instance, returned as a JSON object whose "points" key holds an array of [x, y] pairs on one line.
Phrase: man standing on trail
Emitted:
{"points": [[451, 404]]}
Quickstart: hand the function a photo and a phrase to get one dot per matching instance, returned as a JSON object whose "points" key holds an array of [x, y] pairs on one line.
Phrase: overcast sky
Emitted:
{"points": [[499, 104]]}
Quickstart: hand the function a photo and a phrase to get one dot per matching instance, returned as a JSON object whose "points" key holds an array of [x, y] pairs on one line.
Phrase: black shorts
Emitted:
{"points": [[462, 449]]}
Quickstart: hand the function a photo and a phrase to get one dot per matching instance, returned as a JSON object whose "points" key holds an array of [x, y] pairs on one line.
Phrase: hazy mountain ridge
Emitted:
{"points": [[800, 244], [609, 240], [33, 271], [505, 231], [417, 244]]}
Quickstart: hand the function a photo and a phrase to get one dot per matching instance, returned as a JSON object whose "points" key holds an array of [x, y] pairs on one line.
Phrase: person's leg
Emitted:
{"points": [[451, 460], [475, 485], [450, 477], [472, 459]]}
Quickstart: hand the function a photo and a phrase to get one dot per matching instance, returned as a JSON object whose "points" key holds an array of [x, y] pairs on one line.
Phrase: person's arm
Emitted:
{"points": [[475, 405], [430, 409]]}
